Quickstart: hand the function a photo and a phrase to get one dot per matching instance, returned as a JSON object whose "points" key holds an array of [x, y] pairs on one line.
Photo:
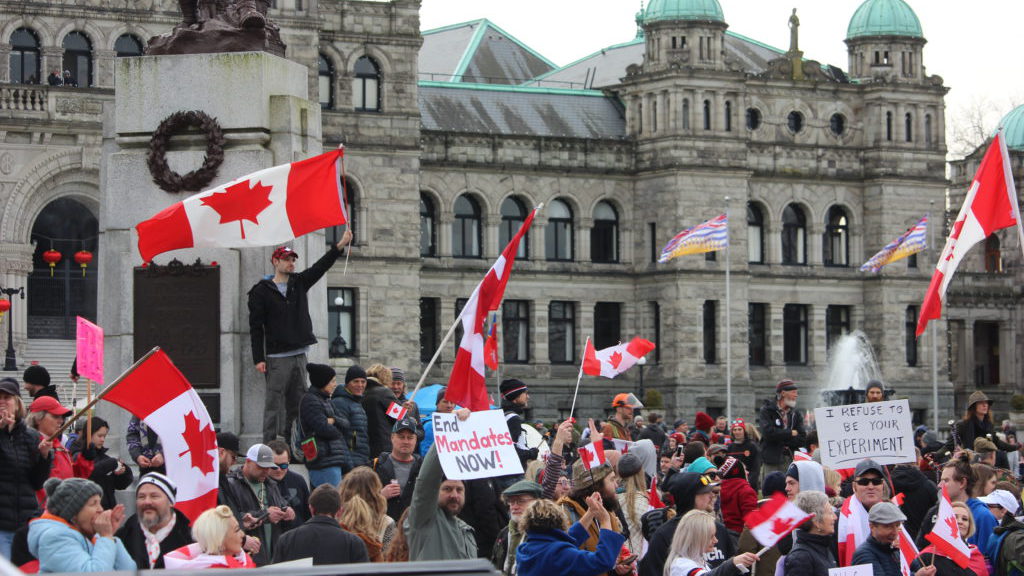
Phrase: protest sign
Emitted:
{"points": [[478, 447], [881, 431], [89, 347], [858, 570]]}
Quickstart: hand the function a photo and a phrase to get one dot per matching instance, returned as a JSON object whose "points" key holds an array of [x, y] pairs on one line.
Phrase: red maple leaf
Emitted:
{"points": [[240, 202], [782, 525], [615, 359], [953, 528], [199, 443]]}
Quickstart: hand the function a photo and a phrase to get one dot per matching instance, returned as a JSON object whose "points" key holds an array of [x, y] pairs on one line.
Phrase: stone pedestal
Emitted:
{"points": [[262, 105]]}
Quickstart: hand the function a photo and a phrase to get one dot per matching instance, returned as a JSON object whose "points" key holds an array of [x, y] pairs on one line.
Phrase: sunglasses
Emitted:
{"points": [[283, 466], [711, 474], [867, 481]]}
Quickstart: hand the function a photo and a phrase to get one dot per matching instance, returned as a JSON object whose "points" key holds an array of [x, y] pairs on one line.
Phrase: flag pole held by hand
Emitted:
{"points": [[572, 410], [344, 200]]}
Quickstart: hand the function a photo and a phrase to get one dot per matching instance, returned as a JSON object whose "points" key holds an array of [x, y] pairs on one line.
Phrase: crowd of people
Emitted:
{"points": [[667, 501]]}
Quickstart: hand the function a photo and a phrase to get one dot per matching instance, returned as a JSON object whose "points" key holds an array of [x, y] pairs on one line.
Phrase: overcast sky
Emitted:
{"points": [[975, 46]]}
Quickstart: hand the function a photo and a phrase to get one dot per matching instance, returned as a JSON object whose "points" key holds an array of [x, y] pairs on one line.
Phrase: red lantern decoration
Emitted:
{"points": [[5, 305], [51, 257], [83, 258]]}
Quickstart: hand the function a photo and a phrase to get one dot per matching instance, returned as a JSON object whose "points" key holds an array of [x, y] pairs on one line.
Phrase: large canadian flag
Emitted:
{"points": [[945, 535], [774, 519], [853, 529], [467, 385], [264, 208], [158, 393], [990, 205], [614, 360]]}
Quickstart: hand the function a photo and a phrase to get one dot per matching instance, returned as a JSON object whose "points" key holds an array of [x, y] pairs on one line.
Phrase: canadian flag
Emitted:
{"points": [[945, 535], [990, 205], [801, 455], [397, 411], [614, 360], [853, 529], [260, 209], [158, 393], [491, 346], [592, 455], [774, 519], [467, 385], [908, 551], [653, 498]]}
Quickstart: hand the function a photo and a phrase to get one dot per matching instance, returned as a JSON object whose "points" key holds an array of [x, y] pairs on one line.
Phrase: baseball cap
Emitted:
{"points": [[49, 404], [1001, 498], [262, 455], [626, 399], [284, 252], [9, 386], [886, 513], [407, 423], [228, 441], [868, 465]]}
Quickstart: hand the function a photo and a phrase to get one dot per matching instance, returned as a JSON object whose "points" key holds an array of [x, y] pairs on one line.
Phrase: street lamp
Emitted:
{"points": [[338, 345], [641, 362], [10, 362]]}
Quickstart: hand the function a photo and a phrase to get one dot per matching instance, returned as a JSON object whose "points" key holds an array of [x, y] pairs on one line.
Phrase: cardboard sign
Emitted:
{"points": [[881, 431], [89, 347], [478, 447], [858, 570]]}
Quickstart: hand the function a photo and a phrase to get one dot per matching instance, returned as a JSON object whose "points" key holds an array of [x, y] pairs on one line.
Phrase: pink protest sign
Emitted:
{"points": [[90, 350]]}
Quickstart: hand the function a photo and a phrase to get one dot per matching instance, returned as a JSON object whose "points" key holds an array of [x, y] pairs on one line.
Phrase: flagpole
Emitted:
{"points": [[344, 200], [728, 321], [437, 353], [102, 393], [935, 359], [579, 377]]}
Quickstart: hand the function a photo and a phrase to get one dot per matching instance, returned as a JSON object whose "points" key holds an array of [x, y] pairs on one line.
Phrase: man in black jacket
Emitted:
{"points": [[782, 428], [881, 549], [321, 538], [399, 468], [260, 509], [156, 520], [37, 382], [282, 333]]}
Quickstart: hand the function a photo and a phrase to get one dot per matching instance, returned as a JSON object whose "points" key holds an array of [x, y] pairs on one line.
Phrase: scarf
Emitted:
{"points": [[153, 540], [515, 538]]}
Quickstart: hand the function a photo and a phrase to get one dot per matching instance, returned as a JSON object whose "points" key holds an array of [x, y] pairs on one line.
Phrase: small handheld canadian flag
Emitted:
{"points": [[592, 455], [614, 360], [774, 519], [945, 535], [397, 411]]}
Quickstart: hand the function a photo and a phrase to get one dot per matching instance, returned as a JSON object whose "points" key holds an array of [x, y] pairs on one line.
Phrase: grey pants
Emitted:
{"points": [[769, 468], [286, 383]]}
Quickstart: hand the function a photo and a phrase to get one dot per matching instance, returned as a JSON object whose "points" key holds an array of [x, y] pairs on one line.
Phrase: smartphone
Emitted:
{"points": [[679, 451], [628, 559], [260, 515]]}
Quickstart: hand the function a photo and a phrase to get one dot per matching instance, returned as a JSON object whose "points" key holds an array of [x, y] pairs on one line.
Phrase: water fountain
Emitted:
{"points": [[851, 364]]}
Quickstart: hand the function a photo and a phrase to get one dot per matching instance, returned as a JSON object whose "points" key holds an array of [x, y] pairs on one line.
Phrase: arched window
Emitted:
{"points": [[128, 45], [836, 243], [604, 236], [639, 116], [558, 241], [77, 59], [753, 118], [654, 115], [325, 82], [928, 129], [728, 116], [888, 126], [794, 235], [707, 114], [513, 214], [366, 88], [993, 255], [908, 127], [24, 57], [686, 113], [466, 228], [795, 121], [755, 234], [428, 229]]}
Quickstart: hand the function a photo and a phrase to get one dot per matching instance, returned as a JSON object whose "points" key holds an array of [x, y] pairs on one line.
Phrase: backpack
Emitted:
{"points": [[1008, 562]]}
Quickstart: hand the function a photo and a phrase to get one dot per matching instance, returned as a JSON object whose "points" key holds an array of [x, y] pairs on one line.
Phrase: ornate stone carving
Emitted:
{"points": [[212, 26]]}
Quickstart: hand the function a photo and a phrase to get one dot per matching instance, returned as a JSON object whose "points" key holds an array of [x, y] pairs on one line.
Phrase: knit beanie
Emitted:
{"points": [[320, 375], [397, 374], [354, 371], [66, 498], [511, 389], [36, 375], [440, 395], [700, 465], [773, 482], [162, 482], [704, 421]]}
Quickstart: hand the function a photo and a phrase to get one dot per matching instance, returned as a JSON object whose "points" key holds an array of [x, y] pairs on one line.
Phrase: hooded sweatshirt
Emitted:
{"points": [[809, 474]]}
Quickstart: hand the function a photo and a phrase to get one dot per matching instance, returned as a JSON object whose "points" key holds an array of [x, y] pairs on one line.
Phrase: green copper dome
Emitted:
{"points": [[884, 18], [684, 10], [1013, 128]]}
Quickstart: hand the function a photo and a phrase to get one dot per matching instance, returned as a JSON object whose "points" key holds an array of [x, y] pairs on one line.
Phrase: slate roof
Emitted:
{"points": [[510, 110], [478, 52]]}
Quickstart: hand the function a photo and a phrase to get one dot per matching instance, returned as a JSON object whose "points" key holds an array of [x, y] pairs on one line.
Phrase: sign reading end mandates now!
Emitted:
{"points": [[881, 431], [478, 447]]}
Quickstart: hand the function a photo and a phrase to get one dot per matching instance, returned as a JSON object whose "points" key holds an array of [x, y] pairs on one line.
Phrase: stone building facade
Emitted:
{"points": [[452, 135]]}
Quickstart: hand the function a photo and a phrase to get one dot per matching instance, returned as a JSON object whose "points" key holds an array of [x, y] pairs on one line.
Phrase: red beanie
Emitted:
{"points": [[704, 421]]}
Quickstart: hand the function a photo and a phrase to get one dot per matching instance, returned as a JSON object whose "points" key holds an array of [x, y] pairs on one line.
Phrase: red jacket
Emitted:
{"points": [[738, 499]]}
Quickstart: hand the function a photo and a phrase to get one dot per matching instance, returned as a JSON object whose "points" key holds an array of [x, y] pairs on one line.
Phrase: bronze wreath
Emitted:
{"points": [[195, 180]]}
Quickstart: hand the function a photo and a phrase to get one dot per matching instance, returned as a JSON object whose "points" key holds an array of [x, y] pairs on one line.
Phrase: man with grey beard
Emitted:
{"points": [[782, 428], [157, 527]]}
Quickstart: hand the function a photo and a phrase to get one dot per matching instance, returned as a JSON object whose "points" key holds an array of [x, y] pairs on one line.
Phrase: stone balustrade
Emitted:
{"points": [[23, 97]]}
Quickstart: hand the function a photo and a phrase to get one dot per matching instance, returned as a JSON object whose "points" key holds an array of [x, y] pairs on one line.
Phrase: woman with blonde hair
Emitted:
{"points": [[695, 536], [548, 549], [634, 501], [364, 483], [358, 518], [218, 544], [944, 565]]}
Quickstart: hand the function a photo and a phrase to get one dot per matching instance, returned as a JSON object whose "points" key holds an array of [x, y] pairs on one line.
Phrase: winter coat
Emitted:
{"points": [[984, 523], [22, 471], [749, 453], [376, 400], [50, 391], [557, 552], [323, 540], [810, 556], [315, 411], [192, 557], [970, 429], [385, 470], [433, 534], [281, 323], [514, 420], [737, 499], [295, 490], [777, 440], [655, 433], [142, 440], [134, 540], [1006, 546], [661, 543], [943, 564], [246, 502], [919, 494], [62, 548], [884, 559], [94, 464], [60, 467], [348, 409], [484, 512]]}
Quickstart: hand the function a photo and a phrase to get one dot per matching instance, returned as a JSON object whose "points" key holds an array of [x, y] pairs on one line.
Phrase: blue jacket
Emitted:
{"points": [[61, 548], [428, 436], [348, 409], [556, 552], [884, 559], [984, 523]]}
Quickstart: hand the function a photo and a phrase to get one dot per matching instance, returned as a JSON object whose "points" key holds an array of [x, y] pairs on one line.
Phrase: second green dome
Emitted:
{"points": [[684, 10], [884, 18]]}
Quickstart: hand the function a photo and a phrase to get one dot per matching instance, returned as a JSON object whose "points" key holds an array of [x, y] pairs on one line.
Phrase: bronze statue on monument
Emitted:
{"points": [[212, 26]]}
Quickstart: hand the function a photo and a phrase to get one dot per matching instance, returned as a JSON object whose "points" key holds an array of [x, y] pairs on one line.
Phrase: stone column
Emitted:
{"points": [[5, 71], [52, 59], [16, 264], [103, 68]]}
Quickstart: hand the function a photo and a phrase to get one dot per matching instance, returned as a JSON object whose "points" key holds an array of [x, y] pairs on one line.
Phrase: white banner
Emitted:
{"points": [[478, 447], [881, 431], [858, 570]]}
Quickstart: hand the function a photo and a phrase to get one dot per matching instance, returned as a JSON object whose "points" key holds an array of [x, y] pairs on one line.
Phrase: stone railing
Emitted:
{"points": [[53, 103], [23, 97]]}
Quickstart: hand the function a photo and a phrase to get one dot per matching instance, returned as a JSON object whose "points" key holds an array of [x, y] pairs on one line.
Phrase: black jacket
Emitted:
{"points": [[323, 540], [514, 420], [385, 470], [314, 411], [245, 501], [943, 565], [22, 471], [484, 512], [777, 440], [749, 453], [919, 494], [884, 558], [135, 542], [295, 491], [810, 556], [348, 409], [278, 323], [103, 468], [376, 400], [50, 391], [655, 433], [657, 553]]}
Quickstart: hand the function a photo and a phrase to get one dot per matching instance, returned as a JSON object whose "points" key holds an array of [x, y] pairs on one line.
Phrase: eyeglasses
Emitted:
{"points": [[871, 481], [282, 466]]}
